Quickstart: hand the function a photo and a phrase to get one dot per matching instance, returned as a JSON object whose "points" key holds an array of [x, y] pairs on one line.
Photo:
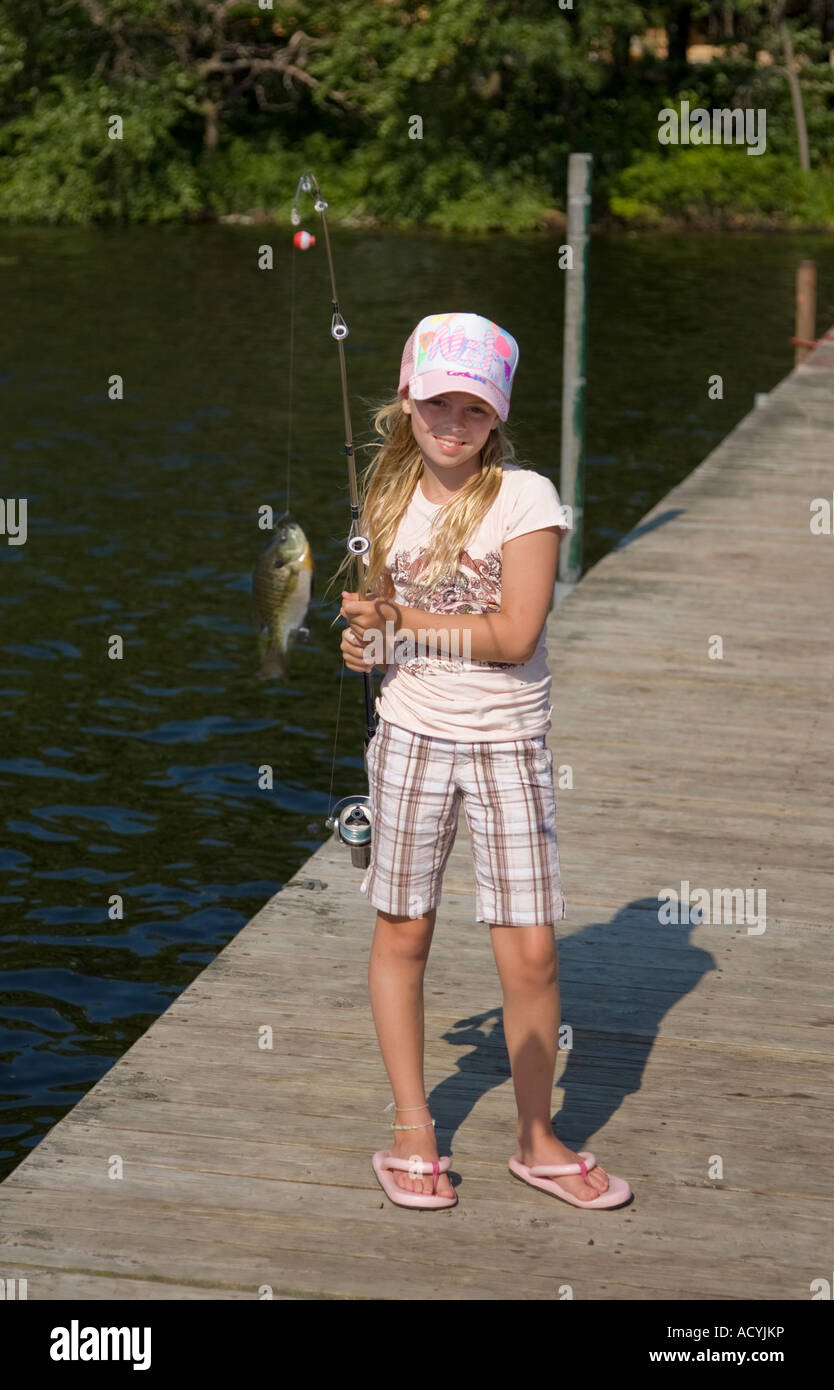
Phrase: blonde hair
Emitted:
{"points": [[387, 486]]}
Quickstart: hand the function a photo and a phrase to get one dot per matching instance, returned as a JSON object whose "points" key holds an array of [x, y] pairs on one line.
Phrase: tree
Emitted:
{"points": [[790, 69], [232, 49], [677, 31]]}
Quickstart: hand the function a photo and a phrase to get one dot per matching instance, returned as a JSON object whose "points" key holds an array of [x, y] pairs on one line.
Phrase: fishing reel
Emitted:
{"points": [[351, 819]]}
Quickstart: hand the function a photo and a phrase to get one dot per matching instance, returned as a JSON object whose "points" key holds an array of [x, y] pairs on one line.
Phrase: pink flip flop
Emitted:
{"points": [[543, 1175], [383, 1162]]}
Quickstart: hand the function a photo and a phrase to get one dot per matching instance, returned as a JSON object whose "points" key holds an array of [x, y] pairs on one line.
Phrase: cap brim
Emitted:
{"points": [[428, 384]]}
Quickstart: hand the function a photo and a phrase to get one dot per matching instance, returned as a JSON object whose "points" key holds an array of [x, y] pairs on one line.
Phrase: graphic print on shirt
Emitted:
{"points": [[474, 588]]}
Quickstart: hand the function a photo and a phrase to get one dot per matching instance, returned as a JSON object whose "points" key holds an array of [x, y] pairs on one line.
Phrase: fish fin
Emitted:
{"points": [[274, 659], [274, 667]]}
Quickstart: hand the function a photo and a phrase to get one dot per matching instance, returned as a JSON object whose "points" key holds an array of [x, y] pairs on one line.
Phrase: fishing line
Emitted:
{"points": [[293, 256], [335, 741], [291, 371], [290, 409]]}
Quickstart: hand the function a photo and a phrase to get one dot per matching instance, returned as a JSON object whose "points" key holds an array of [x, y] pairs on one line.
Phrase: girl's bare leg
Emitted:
{"points": [[528, 968], [396, 968]]}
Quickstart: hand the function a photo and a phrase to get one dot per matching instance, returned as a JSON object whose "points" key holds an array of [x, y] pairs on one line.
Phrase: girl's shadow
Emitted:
{"points": [[617, 981]]}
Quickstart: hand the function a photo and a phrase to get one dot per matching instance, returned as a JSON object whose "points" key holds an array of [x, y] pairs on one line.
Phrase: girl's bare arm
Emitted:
{"points": [[528, 580]]}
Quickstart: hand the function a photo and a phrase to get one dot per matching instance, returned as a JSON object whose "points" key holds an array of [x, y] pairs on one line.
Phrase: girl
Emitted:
{"points": [[461, 575]]}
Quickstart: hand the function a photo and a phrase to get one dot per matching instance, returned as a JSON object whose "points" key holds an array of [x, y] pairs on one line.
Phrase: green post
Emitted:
{"points": [[572, 475]]}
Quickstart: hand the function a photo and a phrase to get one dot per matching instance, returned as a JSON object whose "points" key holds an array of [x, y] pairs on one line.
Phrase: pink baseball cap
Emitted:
{"points": [[460, 352]]}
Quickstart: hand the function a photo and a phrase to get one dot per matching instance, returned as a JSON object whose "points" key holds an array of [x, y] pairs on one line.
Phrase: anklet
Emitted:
{"points": [[392, 1105]]}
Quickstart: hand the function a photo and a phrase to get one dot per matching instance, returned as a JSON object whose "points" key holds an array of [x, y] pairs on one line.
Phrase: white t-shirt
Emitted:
{"points": [[448, 696]]}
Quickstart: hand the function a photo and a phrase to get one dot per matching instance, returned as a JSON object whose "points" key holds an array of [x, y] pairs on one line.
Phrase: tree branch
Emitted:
{"points": [[790, 72]]}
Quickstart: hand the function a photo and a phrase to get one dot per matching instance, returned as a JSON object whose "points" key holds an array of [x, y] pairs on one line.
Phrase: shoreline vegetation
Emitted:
{"points": [[453, 116]]}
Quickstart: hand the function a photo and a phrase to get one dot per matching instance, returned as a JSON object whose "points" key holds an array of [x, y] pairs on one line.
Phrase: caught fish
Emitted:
{"points": [[282, 586]]}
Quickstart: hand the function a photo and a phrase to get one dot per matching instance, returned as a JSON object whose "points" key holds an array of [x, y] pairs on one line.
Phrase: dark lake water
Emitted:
{"points": [[139, 776]]}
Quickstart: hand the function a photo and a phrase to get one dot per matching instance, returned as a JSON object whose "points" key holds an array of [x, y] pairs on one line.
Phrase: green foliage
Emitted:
{"points": [[716, 186], [260, 177], [60, 165], [224, 105], [744, 84], [451, 193], [12, 54], [505, 88]]}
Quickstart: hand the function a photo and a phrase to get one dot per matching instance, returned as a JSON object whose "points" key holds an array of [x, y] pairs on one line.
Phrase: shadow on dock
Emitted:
{"points": [[614, 1024]]}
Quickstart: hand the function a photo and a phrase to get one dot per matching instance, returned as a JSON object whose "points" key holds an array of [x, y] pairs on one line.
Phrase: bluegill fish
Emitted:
{"points": [[282, 585]]}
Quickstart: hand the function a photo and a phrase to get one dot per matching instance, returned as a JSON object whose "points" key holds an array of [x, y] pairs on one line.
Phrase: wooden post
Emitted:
{"points": [[572, 473], [806, 309]]}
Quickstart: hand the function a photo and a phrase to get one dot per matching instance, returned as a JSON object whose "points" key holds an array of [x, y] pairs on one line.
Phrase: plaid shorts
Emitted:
{"points": [[415, 785]]}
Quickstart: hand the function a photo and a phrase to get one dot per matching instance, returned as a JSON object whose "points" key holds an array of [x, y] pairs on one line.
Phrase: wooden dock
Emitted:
{"points": [[697, 1051]]}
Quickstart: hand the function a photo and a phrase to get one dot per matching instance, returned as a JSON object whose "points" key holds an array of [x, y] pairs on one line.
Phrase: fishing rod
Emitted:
{"points": [[351, 816]]}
